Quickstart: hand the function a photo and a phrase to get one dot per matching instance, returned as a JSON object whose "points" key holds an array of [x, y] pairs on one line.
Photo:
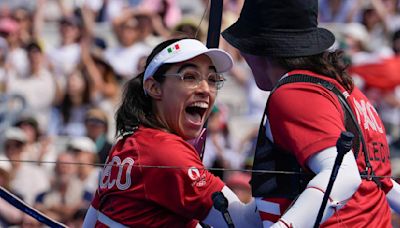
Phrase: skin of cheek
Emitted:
{"points": [[260, 68]]}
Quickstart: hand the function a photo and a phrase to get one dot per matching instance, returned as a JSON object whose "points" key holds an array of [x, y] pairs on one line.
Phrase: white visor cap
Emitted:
{"points": [[186, 49]]}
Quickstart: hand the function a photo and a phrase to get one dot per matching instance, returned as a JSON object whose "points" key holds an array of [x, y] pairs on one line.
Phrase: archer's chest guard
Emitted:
{"points": [[279, 176]]}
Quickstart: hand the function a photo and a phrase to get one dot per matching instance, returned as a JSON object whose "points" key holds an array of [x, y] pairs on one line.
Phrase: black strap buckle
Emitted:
{"points": [[369, 175]]}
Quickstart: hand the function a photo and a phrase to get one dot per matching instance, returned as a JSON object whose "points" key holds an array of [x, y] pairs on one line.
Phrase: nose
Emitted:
{"points": [[204, 87]]}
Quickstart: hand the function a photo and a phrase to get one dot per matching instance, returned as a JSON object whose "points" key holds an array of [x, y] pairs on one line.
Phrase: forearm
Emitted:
{"points": [[346, 184], [393, 197], [243, 215]]}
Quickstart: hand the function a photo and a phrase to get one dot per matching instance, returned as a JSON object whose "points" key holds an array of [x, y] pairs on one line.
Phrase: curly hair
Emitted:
{"points": [[330, 64]]}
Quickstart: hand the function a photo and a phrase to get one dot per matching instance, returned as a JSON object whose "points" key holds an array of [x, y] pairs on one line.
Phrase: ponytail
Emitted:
{"points": [[134, 106]]}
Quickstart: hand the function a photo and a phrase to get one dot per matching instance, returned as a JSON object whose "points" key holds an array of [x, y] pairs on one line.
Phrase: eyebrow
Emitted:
{"points": [[186, 65]]}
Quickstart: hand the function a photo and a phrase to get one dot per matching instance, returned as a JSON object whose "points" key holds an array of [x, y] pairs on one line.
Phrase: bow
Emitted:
{"points": [[214, 23], [214, 30], [21, 205]]}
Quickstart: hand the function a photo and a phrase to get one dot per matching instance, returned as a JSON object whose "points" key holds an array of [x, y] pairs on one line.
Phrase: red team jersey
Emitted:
{"points": [[136, 193], [306, 118]]}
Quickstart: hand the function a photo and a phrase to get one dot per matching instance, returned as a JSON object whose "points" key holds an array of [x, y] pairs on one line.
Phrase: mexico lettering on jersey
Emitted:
{"points": [[305, 118], [135, 192]]}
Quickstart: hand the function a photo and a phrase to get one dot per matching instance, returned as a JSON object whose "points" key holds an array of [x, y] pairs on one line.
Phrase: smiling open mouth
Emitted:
{"points": [[196, 111]]}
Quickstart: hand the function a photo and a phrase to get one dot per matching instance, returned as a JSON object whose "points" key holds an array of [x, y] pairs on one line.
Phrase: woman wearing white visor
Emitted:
{"points": [[153, 176]]}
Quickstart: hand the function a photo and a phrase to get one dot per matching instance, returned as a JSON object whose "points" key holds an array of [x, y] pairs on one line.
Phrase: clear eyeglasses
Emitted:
{"points": [[192, 79]]}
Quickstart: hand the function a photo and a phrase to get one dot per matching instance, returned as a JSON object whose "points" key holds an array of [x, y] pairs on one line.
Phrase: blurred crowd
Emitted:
{"points": [[63, 64]]}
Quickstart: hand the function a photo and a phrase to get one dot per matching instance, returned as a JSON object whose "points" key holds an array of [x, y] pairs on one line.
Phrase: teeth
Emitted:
{"points": [[199, 104]]}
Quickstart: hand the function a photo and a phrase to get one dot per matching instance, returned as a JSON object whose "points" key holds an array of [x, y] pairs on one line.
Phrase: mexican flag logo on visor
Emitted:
{"points": [[173, 49]]}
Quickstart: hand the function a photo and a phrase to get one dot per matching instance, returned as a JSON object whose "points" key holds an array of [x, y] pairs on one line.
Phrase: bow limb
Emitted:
{"points": [[214, 24], [214, 30]]}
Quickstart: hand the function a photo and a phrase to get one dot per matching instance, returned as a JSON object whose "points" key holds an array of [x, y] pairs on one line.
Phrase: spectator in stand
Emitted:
{"points": [[84, 150], [96, 123], [39, 147], [37, 87], [125, 57], [69, 115], [390, 13], [353, 39], [154, 30], [381, 19], [105, 81], [219, 151], [66, 57], [66, 193], [27, 179], [218, 144], [100, 72]]}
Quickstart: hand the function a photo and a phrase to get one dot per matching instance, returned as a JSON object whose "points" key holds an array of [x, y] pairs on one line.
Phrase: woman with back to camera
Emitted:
{"points": [[312, 101], [153, 176]]}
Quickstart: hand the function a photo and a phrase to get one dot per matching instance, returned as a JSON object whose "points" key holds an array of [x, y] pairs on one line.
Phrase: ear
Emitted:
{"points": [[153, 88]]}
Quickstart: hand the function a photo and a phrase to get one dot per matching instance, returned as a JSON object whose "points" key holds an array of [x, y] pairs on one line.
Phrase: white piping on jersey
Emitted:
{"points": [[109, 222]]}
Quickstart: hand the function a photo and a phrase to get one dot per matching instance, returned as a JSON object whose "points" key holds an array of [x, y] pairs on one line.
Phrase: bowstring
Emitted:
{"points": [[206, 10], [178, 167]]}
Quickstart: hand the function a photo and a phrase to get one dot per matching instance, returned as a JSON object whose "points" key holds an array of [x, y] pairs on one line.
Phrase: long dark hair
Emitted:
{"points": [[136, 106], [330, 64]]}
